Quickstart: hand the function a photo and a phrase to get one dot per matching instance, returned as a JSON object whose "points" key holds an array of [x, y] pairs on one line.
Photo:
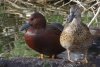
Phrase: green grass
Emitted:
{"points": [[54, 18], [22, 50]]}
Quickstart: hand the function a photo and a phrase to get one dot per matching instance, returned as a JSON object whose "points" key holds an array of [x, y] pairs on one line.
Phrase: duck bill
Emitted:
{"points": [[71, 17], [25, 26]]}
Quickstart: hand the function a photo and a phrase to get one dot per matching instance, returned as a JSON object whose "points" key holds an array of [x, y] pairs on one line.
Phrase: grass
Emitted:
{"points": [[22, 50], [55, 18]]}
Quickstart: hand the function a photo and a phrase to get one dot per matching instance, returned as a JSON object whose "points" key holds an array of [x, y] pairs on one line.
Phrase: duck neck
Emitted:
{"points": [[31, 31], [77, 20], [37, 29]]}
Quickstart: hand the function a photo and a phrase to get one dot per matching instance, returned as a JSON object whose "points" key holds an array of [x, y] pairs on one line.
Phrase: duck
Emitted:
{"points": [[43, 37], [76, 37]]}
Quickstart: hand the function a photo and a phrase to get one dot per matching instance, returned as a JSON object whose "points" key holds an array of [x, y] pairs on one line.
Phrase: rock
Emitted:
{"points": [[36, 62]]}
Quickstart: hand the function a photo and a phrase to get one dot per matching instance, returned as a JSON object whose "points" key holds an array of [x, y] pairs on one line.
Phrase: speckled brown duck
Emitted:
{"points": [[76, 37], [41, 37]]}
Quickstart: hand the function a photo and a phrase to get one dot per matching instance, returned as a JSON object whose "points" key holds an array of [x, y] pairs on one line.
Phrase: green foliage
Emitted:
{"points": [[55, 18], [9, 19], [2, 7], [22, 50]]}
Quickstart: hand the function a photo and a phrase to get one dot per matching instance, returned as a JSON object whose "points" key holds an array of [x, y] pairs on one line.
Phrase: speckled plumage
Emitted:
{"points": [[76, 36]]}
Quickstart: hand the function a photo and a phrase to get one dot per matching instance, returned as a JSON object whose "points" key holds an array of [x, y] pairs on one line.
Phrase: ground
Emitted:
{"points": [[36, 62]]}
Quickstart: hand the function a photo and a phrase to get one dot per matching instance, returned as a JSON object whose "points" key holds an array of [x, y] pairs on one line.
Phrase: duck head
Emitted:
{"points": [[36, 21], [75, 12]]}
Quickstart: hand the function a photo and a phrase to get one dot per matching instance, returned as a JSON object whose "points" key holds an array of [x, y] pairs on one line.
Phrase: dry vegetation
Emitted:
{"points": [[23, 7]]}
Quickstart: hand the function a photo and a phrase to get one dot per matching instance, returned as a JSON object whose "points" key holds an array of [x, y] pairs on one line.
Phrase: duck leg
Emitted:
{"points": [[68, 52], [85, 58], [53, 56], [86, 61], [41, 56]]}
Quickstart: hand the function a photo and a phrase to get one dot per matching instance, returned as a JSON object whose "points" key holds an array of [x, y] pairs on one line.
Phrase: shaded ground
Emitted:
{"points": [[35, 62]]}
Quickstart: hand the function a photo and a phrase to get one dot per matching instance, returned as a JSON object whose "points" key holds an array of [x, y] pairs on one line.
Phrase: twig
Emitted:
{"points": [[65, 4], [94, 17], [14, 5], [78, 2], [93, 5], [15, 1], [26, 3], [94, 14], [58, 2]]}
